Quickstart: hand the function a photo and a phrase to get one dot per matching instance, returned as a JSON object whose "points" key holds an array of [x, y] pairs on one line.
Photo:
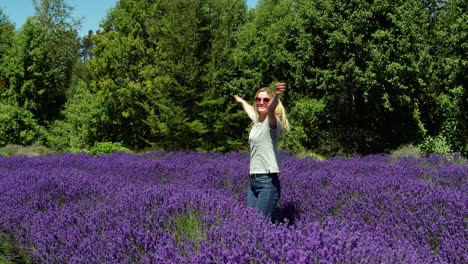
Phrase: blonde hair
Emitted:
{"points": [[280, 112]]}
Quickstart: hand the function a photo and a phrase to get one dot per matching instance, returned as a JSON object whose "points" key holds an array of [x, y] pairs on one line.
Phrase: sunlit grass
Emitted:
{"points": [[407, 150], [32, 150], [187, 226]]}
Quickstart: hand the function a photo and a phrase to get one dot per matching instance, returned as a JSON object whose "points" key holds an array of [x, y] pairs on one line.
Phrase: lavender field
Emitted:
{"points": [[188, 207]]}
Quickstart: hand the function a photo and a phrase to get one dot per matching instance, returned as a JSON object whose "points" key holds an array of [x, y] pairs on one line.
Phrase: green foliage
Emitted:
{"points": [[363, 76], [450, 93], [160, 68], [10, 252], [437, 145], [305, 115], [107, 148], [293, 142], [371, 64], [79, 127], [39, 64], [6, 42], [17, 126]]}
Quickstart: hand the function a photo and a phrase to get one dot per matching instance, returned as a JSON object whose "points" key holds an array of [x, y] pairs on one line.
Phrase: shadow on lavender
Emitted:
{"points": [[287, 213]]}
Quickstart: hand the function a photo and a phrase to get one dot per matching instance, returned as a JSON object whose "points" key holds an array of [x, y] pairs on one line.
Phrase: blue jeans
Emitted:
{"points": [[263, 193]]}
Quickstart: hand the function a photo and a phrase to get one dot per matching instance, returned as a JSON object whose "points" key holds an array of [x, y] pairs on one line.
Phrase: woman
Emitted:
{"points": [[269, 123]]}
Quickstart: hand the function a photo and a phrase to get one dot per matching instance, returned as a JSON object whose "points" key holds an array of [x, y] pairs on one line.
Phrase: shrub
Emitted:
{"points": [[17, 126], [10, 252], [107, 148], [78, 129], [305, 117], [437, 145]]}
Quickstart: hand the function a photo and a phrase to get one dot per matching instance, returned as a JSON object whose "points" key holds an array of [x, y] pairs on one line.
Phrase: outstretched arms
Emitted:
{"points": [[274, 101], [246, 106], [280, 89]]}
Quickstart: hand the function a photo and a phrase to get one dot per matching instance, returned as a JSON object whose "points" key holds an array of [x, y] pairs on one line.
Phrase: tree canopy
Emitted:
{"points": [[364, 76]]}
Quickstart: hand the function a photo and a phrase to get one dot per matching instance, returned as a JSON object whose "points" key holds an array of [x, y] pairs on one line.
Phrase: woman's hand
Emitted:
{"points": [[280, 88], [238, 98]]}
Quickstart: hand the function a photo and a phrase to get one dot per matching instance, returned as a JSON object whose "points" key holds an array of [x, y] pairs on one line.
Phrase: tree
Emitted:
{"points": [[40, 65], [221, 122], [123, 66], [18, 126], [450, 96], [157, 66], [86, 46], [80, 125], [6, 42], [360, 65]]}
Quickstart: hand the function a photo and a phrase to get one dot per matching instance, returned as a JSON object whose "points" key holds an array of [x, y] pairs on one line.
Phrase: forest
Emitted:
{"points": [[364, 77]]}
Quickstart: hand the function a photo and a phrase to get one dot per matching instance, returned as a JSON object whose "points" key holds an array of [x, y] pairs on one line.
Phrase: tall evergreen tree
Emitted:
{"points": [[156, 63]]}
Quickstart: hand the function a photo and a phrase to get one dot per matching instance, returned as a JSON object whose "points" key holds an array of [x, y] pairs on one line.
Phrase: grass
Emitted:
{"points": [[9, 253], [408, 150], [33, 150], [310, 154], [188, 226]]}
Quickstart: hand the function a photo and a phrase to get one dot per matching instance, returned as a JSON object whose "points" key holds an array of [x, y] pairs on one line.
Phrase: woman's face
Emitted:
{"points": [[261, 102]]}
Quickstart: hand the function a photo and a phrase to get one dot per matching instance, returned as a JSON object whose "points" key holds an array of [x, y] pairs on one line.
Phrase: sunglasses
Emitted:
{"points": [[265, 100]]}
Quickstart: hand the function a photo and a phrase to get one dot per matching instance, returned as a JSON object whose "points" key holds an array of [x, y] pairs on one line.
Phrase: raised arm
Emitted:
{"points": [[280, 89], [247, 107]]}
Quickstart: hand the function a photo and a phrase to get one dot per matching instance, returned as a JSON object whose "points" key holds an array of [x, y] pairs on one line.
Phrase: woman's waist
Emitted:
{"points": [[267, 174]]}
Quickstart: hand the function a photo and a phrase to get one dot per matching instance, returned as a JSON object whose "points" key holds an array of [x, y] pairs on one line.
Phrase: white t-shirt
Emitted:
{"points": [[263, 141]]}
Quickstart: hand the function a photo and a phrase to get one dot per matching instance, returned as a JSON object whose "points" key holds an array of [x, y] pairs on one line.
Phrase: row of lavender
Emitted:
{"points": [[125, 208]]}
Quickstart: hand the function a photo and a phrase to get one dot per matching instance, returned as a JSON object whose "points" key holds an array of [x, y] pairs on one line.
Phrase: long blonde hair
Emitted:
{"points": [[279, 111]]}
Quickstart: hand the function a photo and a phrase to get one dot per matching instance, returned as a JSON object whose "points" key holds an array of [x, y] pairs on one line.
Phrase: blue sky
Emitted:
{"points": [[91, 11]]}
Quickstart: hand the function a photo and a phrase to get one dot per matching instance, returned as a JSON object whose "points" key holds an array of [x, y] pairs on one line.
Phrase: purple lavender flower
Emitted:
{"points": [[189, 207]]}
